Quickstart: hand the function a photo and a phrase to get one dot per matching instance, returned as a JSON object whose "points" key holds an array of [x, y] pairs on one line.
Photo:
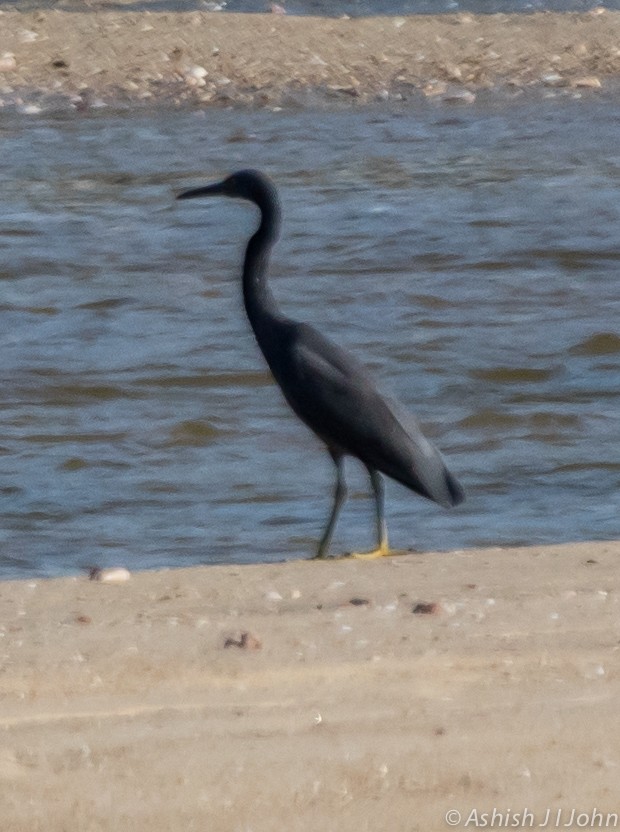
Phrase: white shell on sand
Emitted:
{"points": [[113, 575]]}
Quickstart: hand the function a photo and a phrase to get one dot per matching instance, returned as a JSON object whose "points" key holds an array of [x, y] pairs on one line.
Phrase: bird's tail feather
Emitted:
{"points": [[455, 489]]}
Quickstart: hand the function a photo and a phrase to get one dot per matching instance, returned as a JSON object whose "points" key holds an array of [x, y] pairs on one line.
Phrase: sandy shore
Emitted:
{"points": [[214, 58], [365, 695]]}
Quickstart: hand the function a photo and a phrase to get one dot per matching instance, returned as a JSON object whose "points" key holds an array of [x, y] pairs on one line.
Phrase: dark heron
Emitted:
{"points": [[328, 388]]}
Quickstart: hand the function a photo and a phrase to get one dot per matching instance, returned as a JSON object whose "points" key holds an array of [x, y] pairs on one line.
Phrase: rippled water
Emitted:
{"points": [[469, 256]]}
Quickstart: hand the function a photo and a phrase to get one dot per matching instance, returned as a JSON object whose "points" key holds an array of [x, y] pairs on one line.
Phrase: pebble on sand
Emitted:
{"points": [[113, 575], [588, 81], [8, 62]]}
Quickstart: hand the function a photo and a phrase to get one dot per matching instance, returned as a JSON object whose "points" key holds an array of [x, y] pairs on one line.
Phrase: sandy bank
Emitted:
{"points": [[208, 58], [353, 703]]}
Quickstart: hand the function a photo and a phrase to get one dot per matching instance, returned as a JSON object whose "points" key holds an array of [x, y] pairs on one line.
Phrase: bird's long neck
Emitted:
{"points": [[260, 304]]}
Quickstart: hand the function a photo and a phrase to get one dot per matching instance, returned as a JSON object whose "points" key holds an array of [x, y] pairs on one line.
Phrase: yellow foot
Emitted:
{"points": [[381, 552]]}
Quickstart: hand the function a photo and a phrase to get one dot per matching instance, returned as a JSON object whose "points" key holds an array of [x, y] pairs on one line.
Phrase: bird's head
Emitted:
{"points": [[244, 184]]}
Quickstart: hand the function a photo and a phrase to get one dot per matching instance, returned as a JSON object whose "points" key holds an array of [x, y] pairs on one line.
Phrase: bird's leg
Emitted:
{"points": [[378, 486], [340, 494], [383, 547]]}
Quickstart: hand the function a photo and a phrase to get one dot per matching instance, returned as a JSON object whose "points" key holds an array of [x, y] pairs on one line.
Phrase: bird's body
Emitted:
{"points": [[331, 392], [328, 389]]}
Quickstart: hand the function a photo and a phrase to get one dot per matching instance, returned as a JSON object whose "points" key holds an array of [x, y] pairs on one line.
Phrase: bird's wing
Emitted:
{"points": [[334, 394]]}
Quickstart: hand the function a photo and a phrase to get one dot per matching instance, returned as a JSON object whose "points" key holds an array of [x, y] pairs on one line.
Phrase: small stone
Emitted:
{"points": [[8, 62], [459, 97], [453, 72], [338, 88], [113, 575], [246, 641], [27, 35], [196, 72], [194, 76], [194, 82], [434, 88], [552, 79], [426, 608], [588, 81], [29, 109]]}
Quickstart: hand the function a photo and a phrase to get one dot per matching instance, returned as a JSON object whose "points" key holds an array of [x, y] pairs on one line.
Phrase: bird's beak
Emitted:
{"points": [[206, 190]]}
